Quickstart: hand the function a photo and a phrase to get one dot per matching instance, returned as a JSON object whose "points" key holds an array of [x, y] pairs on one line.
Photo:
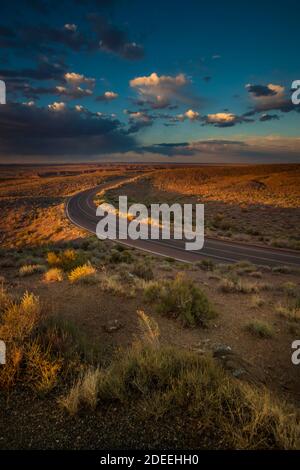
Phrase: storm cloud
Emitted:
{"points": [[58, 130]]}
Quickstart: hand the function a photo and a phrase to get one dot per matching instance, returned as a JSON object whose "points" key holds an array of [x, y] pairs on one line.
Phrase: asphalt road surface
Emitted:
{"points": [[81, 211]]}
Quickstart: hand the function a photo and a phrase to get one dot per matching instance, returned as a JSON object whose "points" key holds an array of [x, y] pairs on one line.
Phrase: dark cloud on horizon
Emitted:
{"points": [[221, 150], [32, 131], [193, 148]]}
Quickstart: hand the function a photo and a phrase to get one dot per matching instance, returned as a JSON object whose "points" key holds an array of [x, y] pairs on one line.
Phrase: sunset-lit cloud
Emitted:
{"points": [[78, 64], [225, 119], [189, 114], [78, 79], [221, 118], [270, 97], [73, 92], [107, 96], [57, 106], [159, 91]]}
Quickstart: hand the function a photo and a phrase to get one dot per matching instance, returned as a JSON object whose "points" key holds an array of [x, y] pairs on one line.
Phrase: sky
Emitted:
{"points": [[173, 81]]}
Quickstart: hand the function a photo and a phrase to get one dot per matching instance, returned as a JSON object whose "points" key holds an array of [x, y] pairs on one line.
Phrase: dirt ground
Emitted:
{"points": [[28, 420], [92, 310], [228, 220]]}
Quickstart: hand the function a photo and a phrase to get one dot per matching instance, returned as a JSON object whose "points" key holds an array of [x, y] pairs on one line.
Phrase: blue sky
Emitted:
{"points": [[123, 78]]}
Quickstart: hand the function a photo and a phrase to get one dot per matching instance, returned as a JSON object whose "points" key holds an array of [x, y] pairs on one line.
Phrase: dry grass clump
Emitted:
{"points": [[159, 383], [17, 322], [285, 270], [113, 283], [235, 286], [42, 370], [260, 329], [54, 275], [149, 328], [257, 301], [291, 289], [20, 318], [244, 267], [84, 392], [29, 269], [181, 298], [256, 274], [85, 274], [290, 311], [5, 299], [27, 361], [40, 350]]}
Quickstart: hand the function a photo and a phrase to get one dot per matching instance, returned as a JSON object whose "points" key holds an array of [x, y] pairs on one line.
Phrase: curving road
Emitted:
{"points": [[81, 211]]}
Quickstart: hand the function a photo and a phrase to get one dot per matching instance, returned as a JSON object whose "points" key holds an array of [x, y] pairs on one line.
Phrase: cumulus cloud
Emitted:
{"points": [[225, 119], [79, 108], [74, 92], [77, 79], [221, 118], [57, 106], [270, 97], [72, 86], [75, 86], [261, 90], [138, 120], [158, 91], [107, 96], [189, 114]]}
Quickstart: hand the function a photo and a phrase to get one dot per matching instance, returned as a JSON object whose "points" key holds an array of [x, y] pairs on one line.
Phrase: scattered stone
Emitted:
{"points": [[237, 366], [237, 373], [112, 326], [221, 349]]}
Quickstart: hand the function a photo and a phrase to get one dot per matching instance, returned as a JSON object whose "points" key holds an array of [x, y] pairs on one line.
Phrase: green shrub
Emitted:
{"points": [[67, 260], [143, 271], [181, 298], [206, 265], [123, 256], [152, 291], [260, 329]]}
